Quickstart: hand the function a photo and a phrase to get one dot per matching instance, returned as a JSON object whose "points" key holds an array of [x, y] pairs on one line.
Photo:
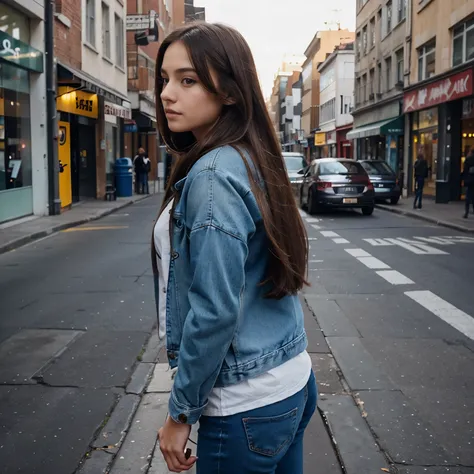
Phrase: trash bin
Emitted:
{"points": [[442, 192], [124, 177]]}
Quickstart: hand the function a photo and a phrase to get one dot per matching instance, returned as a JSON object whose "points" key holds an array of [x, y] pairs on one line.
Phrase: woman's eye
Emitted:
{"points": [[164, 80], [188, 81]]}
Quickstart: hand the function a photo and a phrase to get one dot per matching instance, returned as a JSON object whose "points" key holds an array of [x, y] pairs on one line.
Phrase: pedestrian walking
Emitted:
{"points": [[229, 253], [142, 167], [468, 178], [421, 173]]}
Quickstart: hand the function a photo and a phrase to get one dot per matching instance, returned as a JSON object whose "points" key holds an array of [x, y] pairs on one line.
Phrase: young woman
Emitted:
{"points": [[229, 256]]}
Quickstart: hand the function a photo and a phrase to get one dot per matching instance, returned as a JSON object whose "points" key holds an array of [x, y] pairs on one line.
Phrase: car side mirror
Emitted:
{"points": [[302, 171]]}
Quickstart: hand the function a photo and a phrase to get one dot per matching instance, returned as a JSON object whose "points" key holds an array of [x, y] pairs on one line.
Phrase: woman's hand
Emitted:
{"points": [[173, 438]]}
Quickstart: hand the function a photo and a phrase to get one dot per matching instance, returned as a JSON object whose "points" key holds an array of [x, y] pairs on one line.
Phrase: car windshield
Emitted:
{"points": [[340, 167], [294, 163], [377, 167]]}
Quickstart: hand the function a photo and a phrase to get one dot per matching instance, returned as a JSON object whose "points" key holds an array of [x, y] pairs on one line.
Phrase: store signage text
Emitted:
{"points": [[21, 54], [320, 139], [78, 103], [454, 87], [117, 111]]}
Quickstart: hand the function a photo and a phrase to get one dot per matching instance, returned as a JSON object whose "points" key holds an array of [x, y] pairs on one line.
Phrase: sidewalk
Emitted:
{"points": [[128, 444], [16, 233], [446, 215]]}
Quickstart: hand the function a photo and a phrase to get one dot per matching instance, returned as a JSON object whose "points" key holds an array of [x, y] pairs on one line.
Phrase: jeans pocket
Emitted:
{"points": [[269, 435]]}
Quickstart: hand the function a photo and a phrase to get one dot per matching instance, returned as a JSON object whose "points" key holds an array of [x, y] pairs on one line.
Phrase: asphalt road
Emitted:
{"points": [[395, 300], [76, 310]]}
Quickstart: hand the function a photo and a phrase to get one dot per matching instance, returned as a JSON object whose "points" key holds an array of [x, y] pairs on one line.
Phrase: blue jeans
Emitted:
{"points": [[143, 183], [419, 185], [267, 440]]}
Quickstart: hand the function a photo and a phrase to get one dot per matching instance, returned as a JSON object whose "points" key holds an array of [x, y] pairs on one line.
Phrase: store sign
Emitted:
{"points": [[20, 54], [78, 103], [130, 128], [320, 139], [331, 137], [141, 22], [452, 88], [117, 110]]}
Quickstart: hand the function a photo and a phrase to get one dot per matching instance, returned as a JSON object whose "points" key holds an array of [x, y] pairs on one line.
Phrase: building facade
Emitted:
{"points": [[336, 97], [439, 98], [381, 69], [322, 45], [23, 145], [92, 100]]}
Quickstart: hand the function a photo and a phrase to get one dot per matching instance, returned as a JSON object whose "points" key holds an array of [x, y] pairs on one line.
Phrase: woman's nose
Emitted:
{"points": [[168, 94]]}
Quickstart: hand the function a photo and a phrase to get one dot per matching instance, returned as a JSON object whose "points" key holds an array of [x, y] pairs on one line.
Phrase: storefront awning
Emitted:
{"points": [[386, 127], [72, 76]]}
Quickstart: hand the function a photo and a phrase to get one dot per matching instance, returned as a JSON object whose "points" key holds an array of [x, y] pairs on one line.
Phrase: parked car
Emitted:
{"points": [[337, 183], [384, 179], [295, 166]]}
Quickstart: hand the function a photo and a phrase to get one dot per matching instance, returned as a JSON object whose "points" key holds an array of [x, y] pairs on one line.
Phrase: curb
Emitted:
{"points": [[21, 241], [421, 217]]}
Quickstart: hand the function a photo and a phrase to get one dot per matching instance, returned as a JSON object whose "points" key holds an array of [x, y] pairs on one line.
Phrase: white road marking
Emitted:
{"points": [[447, 312], [329, 233], [312, 219], [317, 227], [373, 263], [302, 213], [395, 278], [378, 242], [316, 261], [312, 238], [339, 240], [436, 240], [358, 253], [417, 247]]}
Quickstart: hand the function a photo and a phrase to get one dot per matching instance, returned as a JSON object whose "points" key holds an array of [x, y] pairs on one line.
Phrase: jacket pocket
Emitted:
{"points": [[269, 435]]}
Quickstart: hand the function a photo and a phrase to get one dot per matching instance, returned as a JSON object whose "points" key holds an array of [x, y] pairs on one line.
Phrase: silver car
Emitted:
{"points": [[295, 166]]}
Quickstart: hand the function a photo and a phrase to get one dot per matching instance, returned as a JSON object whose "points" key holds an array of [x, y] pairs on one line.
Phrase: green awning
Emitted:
{"points": [[385, 127], [395, 127]]}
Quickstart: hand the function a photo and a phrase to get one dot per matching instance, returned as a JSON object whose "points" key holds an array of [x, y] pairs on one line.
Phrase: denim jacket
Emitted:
{"points": [[220, 328]]}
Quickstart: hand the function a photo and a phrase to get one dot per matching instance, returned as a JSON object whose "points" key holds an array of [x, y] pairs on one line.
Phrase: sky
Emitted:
{"points": [[274, 28]]}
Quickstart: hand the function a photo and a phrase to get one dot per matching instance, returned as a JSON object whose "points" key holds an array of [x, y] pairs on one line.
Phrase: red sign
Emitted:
{"points": [[452, 88]]}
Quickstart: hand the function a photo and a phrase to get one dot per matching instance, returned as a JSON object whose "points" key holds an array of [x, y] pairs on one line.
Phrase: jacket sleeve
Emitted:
{"points": [[220, 225]]}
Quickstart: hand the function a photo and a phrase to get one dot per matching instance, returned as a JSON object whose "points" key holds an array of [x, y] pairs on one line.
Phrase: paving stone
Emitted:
{"points": [[96, 463], [153, 348], [140, 378], [161, 381], [326, 371]]}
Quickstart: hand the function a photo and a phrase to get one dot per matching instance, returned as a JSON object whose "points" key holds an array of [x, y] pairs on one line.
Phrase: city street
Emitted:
{"points": [[388, 292], [391, 295]]}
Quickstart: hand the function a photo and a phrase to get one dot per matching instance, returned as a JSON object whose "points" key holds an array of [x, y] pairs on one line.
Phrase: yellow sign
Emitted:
{"points": [[78, 102], [320, 139], [64, 155]]}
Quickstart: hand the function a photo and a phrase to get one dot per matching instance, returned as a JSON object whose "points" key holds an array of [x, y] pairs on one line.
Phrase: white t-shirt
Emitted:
{"points": [[271, 387]]}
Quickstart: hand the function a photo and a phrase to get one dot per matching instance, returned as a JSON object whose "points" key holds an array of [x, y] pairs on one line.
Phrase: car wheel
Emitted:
{"points": [[394, 200], [311, 204], [368, 210]]}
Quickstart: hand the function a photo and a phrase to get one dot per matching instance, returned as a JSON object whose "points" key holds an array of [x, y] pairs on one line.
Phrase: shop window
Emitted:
{"points": [[90, 22], [106, 30], [463, 43], [427, 61], [15, 142]]}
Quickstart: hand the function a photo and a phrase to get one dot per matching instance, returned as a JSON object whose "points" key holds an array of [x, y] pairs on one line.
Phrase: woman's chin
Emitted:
{"points": [[176, 128]]}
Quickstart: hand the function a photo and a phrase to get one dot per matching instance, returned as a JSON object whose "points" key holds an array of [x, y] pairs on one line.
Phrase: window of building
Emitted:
{"points": [[372, 32], [90, 22], [371, 83], [380, 23], [402, 10], [364, 87], [328, 111], [119, 41], [463, 42], [358, 45], [427, 60], [364, 40], [358, 90], [400, 65], [389, 17], [106, 30], [379, 77], [388, 73]]}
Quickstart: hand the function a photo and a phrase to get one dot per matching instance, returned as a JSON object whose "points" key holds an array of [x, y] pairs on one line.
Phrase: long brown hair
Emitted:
{"points": [[245, 125]]}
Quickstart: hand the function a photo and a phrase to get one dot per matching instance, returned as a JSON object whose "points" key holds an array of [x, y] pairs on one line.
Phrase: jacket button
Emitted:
{"points": [[182, 418], [171, 355], [175, 255]]}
